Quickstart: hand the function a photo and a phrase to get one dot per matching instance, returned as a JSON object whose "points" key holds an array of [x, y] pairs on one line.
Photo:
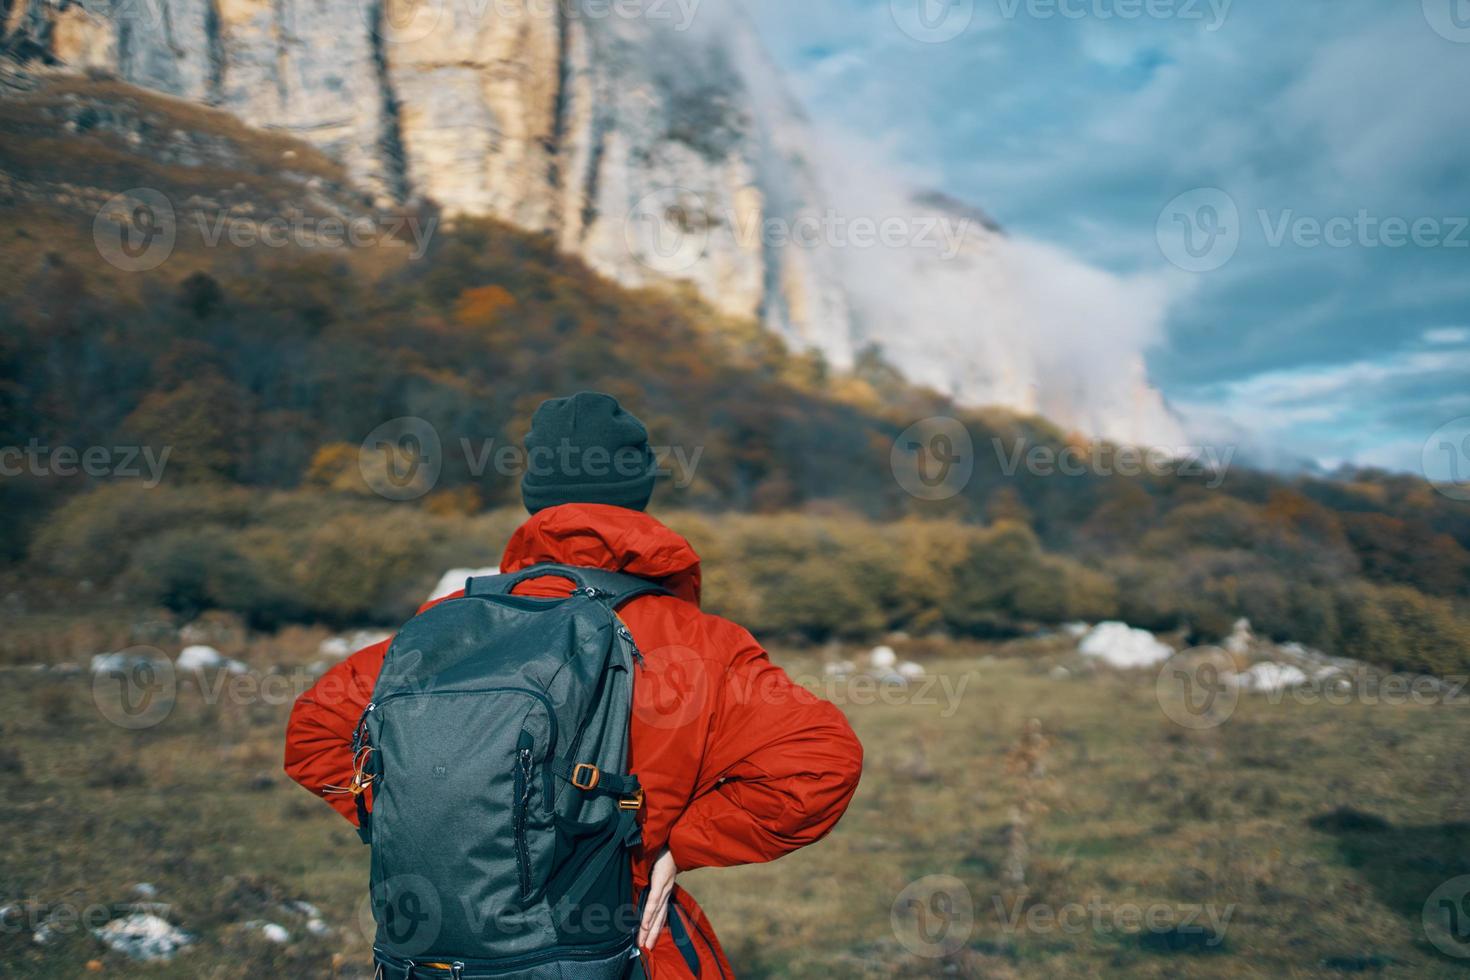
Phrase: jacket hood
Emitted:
{"points": [[612, 538]]}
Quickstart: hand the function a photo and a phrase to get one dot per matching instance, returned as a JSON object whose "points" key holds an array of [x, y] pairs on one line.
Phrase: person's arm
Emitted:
{"points": [[780, 766], [319, 734]]}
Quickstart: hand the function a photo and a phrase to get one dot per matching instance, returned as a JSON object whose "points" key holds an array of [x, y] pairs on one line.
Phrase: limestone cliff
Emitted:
{"points": [[657, 149]]}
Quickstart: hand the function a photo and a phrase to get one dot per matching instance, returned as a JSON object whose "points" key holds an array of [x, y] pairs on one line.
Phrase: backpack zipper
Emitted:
{"points": [[627, 636], [471, 967], [545, 702], [522, 803]]}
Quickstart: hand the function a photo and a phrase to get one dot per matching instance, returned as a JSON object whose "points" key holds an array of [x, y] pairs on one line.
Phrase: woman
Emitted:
{"points": [[737, 763]]}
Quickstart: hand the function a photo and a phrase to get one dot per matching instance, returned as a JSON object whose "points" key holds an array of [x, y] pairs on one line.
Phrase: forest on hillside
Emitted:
{"points": [[261, 377]]}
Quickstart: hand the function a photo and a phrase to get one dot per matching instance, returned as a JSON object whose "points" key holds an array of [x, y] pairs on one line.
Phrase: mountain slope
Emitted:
{"points": [[258, 379], [656, 150]]}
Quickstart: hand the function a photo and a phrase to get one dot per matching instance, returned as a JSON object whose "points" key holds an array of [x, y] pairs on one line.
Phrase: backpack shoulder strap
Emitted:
{"points": [[616, 587]]}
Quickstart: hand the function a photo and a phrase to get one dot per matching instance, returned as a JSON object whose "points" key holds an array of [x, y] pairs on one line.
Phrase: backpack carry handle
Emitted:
{"points": [[617, 587]]}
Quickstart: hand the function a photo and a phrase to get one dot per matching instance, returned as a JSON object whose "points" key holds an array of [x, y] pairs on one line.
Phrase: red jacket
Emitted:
{"points": [[739, 764]]}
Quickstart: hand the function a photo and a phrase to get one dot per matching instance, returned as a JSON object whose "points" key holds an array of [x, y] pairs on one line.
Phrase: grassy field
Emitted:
{"points": [[1085, 833]]}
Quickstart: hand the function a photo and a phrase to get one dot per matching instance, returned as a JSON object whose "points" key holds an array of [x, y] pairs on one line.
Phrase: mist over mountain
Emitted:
{"points": [[659, 148]]}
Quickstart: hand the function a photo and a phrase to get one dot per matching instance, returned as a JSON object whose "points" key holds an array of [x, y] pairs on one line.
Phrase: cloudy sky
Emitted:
{"points": [[1296, 170]]}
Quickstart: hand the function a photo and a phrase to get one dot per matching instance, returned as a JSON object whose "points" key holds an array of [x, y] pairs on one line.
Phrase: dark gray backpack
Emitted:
{"points": [[503, 811]]}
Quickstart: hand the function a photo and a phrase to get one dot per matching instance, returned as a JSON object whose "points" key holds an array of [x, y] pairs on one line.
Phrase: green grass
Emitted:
{"points": [[1126, 810]]}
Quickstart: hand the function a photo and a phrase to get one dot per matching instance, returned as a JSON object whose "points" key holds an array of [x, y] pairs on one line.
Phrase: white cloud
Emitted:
{"points": [[1447, 336], [1332, 413], [1078, 132]]}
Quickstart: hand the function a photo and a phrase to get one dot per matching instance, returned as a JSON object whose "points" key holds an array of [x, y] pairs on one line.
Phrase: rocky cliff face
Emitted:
{"points": [[657, 149]]}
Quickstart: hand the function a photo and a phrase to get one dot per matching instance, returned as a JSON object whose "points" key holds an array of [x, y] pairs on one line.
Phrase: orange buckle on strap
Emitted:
{"points": [[585, 776], [634, 802]]}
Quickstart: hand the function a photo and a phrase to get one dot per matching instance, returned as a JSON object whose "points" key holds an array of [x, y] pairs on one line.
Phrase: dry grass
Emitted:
{"points": [[1128, 810]]}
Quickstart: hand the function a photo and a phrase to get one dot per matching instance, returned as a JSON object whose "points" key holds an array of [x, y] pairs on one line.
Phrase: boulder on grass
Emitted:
{"points": [[1120, 645], [144, 937]]}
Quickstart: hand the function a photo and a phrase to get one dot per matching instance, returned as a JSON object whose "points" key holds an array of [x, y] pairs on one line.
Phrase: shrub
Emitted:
{"points": [[355, 567], [983, 595], [191, 570], [1402, 629], [92, 535], [818, 599]]}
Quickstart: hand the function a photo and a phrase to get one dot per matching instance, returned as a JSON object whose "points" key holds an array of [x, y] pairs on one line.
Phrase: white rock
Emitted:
{"points": [[315, 924], [1266, 678], [882, 658], [338, 647], [199, 657], [366, 638], [275, 933], [1076, 630], [104, 663], [1241, 638], [453, 580], [145, 890], [1060, 673], [143, 937], [911, 670], [841, 668], [1120, 645]]}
